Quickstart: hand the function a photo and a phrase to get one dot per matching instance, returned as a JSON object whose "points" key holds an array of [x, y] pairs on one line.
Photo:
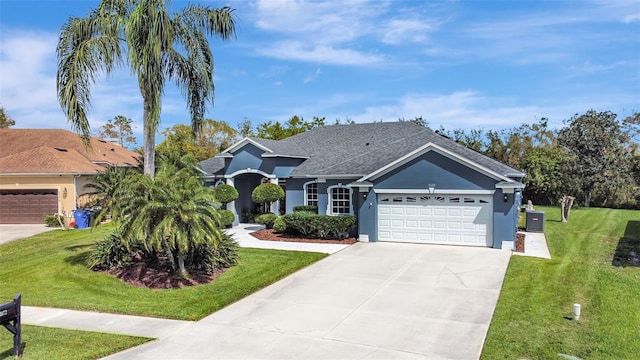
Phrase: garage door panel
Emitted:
{"points": [[446, 219], [27, 206]]}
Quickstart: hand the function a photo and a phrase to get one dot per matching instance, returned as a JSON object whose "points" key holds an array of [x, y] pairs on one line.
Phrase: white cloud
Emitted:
{"points": [[313, 77], [294, 50]]}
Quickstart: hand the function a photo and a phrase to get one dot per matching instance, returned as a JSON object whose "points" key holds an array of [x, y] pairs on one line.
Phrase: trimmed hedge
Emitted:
{"points": [[279, 225], [308, 208], [267, 193], [319, 226], [225, 193], [226, 217], [266, 219]]}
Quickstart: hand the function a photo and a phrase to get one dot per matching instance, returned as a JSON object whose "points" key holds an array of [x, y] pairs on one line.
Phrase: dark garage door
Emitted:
{"points": [[27, 206]]}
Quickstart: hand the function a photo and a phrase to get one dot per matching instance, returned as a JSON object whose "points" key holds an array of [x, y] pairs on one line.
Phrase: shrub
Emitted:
{"points": [[249, 216], [279, 225], [267, 193], [53, 220], [110, 252], [266, 219], [226, 217], [319, 226], [225, 193], [205, 257], [308, 208]]}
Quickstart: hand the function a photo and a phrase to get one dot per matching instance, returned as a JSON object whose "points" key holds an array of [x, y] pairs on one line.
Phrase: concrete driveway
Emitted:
{"points": [[11, 232], [369, 301]]}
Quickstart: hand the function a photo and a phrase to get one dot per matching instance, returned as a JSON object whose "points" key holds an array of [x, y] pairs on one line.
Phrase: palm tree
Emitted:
{"points": [[156, 46], [171, 213]]}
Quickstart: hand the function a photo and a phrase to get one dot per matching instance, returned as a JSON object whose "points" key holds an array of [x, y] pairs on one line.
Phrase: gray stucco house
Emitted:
{"points": [[404, 182]]}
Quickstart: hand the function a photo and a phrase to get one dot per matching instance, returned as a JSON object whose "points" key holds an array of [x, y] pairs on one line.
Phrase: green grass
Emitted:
{"points": [[49, 270], [533, 319], [50, 343]]}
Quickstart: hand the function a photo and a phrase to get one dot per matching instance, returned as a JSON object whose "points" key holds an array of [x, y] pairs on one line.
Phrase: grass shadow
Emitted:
{"points": [[8, 354], [78, 247], [78, 259], [627, 252]]}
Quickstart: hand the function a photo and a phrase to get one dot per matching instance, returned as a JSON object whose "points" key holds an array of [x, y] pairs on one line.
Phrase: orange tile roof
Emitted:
{"points": [[56, 151]]}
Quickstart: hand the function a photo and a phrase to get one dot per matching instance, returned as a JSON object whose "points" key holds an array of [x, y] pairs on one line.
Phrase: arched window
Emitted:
{"points": [[311, 193]]}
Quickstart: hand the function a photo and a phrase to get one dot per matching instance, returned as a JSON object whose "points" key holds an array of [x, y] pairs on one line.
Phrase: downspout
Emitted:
{"points": [[75, 192]]}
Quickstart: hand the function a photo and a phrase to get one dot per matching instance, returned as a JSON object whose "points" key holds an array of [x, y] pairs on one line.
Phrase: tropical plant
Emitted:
{"points": [[105, 185], [170, 213], [155, 44]]}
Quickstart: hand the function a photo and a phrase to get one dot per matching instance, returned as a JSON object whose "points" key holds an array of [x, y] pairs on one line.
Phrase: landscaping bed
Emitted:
{"points": [[271, 235]]}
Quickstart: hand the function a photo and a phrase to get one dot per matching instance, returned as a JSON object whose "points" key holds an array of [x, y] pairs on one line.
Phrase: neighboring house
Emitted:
{"points": [[403, 182], [43, 171]]}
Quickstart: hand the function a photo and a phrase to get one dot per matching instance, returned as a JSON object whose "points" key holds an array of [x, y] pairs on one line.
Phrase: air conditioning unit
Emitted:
{"points": [[535, 221]]}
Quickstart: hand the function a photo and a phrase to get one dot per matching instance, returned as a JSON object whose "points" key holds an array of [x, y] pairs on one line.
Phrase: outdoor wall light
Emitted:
{"points": [[64, 193], [364, 195], [505, 197], [432, 188]]}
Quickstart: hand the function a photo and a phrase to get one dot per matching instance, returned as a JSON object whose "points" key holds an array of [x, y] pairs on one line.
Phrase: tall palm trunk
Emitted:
{"points": [[149, 139]]}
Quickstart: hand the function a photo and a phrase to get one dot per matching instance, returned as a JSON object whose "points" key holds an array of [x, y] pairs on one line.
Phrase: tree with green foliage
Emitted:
{"points": [[274, 130], [267, 193], [155, 44], [171, 213], [118, 128], [214, 137], [546, 179], [598, 144], [5, 120]]}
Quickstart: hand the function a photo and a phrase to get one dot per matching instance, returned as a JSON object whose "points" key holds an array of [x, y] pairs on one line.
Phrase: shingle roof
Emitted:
{"points": [[360, 149], [57, 151]]}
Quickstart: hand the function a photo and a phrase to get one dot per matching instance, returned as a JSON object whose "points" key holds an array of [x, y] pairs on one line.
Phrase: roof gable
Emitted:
{"points": [[432, 147]]}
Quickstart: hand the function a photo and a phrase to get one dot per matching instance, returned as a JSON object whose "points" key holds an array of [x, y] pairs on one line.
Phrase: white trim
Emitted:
{"points": [[306, 198], [242, 143], [221, 182], [363, 238], [269, 155], [437, 191], [509, 185], [330, 199], [250, 171], [345, 176], [224, 155], [432, 147]]}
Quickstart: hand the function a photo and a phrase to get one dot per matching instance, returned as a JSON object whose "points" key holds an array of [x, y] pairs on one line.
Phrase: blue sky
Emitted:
{"points": [[459, 64]]}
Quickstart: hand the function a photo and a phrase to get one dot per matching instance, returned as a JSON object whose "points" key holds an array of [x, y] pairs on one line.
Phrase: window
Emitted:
{"points": [[339, 200], [311, 194]]}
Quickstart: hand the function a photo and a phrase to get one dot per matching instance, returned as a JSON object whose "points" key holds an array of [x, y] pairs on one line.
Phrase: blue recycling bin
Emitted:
{"points": [[82, 218]]}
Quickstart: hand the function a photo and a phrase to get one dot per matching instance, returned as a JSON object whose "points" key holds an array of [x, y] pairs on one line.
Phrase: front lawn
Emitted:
{"points": [[49, 270], [44, 343], [533, 319]]}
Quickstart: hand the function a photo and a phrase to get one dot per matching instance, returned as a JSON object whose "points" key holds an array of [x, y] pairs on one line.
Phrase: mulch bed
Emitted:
{"points": [[520, 242], [140, 275], [270, 235]]}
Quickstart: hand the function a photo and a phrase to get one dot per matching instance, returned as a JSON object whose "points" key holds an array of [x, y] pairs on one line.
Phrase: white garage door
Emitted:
{"points": [[436, 219]]}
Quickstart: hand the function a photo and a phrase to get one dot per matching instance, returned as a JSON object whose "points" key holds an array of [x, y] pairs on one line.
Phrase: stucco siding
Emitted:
{"points": [[57, 182], [434, 168], [446, 174]]}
